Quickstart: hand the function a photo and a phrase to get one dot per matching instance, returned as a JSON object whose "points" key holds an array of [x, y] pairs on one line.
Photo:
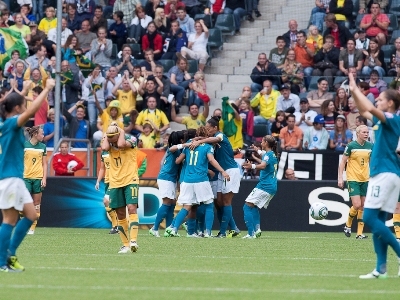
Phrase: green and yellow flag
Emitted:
{"points": [[85, 64], [11, 40]]}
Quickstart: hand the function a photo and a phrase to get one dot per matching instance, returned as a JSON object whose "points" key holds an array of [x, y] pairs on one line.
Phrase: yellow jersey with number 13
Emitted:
{"points": [[33, 160]]}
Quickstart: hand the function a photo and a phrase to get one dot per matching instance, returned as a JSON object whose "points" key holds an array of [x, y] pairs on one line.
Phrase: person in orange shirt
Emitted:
{"points": [[291, 136], [304, 54]]}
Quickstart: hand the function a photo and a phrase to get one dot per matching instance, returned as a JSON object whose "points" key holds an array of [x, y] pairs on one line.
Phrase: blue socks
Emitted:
{"points": [[180, 217], [5, 237], [232, 224], [256, 218], [170, 215], [191, 226], [226, 217], [161, 214], [248, 218], [20, 231], [200, 216], [209, 219]]}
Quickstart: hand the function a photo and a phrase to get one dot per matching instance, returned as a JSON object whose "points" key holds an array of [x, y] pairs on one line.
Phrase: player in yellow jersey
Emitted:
{"points": [[103, 173], [124, 183], [357, 156], [35, 168]]}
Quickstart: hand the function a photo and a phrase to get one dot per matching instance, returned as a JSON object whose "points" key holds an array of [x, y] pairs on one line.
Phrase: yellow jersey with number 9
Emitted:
{"points": [[33, 160], [123, 166]]}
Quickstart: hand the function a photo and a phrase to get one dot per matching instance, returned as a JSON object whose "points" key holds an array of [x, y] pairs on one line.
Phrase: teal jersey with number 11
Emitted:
{"points": [[268, 182], [196, 163]]}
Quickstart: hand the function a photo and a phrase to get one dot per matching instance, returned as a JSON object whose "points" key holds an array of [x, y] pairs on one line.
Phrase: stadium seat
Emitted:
{"points": [[260, 130], [167, 64], [388, 80], [193, 66], [395, 35], [226, 24], [395, 8], [303, 95], [140, 61], [314, 83], [394, 24], [114, 51], [387, 51], [136, 49], [339, 79], [206, 18], [109, 22], [215, 38], [358, 20]]}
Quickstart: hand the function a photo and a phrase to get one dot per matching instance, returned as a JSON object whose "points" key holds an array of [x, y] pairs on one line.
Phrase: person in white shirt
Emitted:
{"points": [[362, 42], [65, 33], [306, 116], [287, 100], [316, 137]]}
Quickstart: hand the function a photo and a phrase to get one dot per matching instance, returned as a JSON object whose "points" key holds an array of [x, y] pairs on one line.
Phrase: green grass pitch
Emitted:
{"points": [[82, 264]]}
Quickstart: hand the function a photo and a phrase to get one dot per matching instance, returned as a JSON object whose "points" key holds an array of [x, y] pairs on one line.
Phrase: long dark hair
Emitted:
{"points": [[214, 122], [271, 143], [32, 130], [12, 100]]}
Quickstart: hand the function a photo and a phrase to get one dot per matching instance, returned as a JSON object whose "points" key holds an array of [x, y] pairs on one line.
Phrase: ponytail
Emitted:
{"points": [[32, 131], [271, 143], [214, 121]]}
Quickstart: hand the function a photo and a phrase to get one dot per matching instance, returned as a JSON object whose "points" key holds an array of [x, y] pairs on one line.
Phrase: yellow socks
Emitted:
{"points": [[123, 231], [133, 226], [113, 216], [33, 226], [396, 223], [360, 226], [352, 214]]}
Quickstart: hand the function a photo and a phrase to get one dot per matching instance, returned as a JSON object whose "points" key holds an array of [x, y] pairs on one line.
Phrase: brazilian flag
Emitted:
{"points": [[11, 40], [66, 77], [228, 117], [85, 64]]}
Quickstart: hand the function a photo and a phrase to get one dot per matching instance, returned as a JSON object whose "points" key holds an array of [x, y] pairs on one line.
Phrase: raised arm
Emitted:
{"points": [[174, 117]]}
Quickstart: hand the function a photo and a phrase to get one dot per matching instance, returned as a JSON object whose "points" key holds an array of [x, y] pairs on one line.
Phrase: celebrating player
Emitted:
{"points": [[14, 196], [265, 189], [124, 183], [35, 168], [356, 155], [384, 184]]}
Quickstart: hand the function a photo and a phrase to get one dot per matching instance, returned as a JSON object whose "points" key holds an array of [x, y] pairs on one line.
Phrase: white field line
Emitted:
{"points": [[198, 289]]}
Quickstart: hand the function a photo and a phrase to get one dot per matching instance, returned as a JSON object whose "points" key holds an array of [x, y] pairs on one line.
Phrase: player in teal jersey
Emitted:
{"points": [[14, 196], [265, 188], [384, 184], [195, 187], [225, 157]]}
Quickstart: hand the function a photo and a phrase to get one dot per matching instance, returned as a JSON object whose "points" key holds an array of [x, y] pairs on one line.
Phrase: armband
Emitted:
{"points": [[179, 146], [253, 166]]}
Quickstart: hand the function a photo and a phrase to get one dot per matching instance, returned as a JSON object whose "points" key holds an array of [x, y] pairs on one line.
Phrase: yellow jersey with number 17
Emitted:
{"points": [[123, 167], [33, 160]]}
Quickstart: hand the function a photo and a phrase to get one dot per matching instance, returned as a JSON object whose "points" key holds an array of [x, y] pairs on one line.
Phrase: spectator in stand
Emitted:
{"points": [[26, 14], [151, 7], [195, 119], [153, 40], [98, 19], [238, 9], [85, 38], [152, 87], [264, 70], [125, 60], [287, 101], [18, 75], [148, 65], [21, 28], [5, 19], [197, 47], [306, 116], [365, 5], [126, 95], [185, 21], [247, 115], [9, 67], [3, 80], [318, 13], [289, 174], [340, 136], [198, 90], [364, 88], [352, 115], [329, 112], [343, 10], [49, 22], [95, 83], [278, 124], [48, 128], [74, 23], [376, 85], [165, 95], [217, 7], [180, 80], [112, 79], [61, 160], [193, 7], [138, 25], [362, 42], [291, 36], [246, 95], [317, 97], [171, 9], [395, 59], [78, 126], [345, 84], [313, 37], [376, 24], [278, 55], [292, 73], [65, 33], [266, 100], [177, 39], [117, 30], [304, 54], [138, 80], [326, 61], [374, 59], [69, 48], [316, 137], [39, 58], [350, 57], [101, 50], [147, 139], [341, 101], [291, 136], [163, 24], [130, 8], [85, 9], [340, 33]]}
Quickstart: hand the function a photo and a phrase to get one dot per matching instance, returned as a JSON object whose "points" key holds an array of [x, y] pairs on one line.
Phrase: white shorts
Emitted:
{"points": [[214, 187], [166, 188], [13, 193], [383, 192], [233, 185], [195, 193], [259, 198]]}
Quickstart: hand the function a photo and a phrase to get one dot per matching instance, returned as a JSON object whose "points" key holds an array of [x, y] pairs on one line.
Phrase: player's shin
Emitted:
{"points": [[133, 226], [123, 231]]}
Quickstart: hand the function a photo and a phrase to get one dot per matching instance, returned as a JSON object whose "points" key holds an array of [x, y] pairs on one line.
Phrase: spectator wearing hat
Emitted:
{"points": [[35, 32], [362, 42], [195, 119], [291, 136], [376, 24], [317, 97], [262, 71], [316, 137], [78, 127], [306, 116], [106, 116], [340, 136], [287, 101]]}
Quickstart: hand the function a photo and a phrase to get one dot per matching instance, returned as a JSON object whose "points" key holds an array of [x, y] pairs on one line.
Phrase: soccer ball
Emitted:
{"points": [[318, 211], [72, 164]]}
